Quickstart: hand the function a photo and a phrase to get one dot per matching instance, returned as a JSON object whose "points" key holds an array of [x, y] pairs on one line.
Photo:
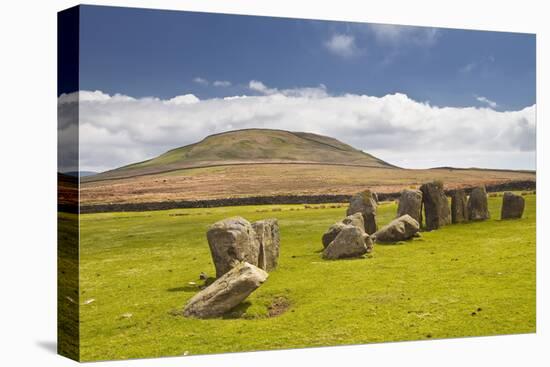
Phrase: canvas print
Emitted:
{"points": [[233, 183]]}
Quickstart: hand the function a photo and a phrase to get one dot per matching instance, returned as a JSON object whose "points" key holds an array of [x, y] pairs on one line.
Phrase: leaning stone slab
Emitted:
{"points": [[436, 206], [333, 231], [350, 242], [512, 206], [459, 206], [267, 235], [226, 292], [365, 203], [410, 202], [400, 229], [231, 241], [477, 204]]}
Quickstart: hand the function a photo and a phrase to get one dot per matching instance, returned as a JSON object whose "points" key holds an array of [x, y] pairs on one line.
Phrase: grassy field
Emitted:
{"points": [[462, 280]]}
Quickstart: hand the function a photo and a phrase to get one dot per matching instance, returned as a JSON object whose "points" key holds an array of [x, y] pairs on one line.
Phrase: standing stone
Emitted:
{"points": [[350, 242], [436, 206], [400, 229], [226, 292], [512, 206], [364, 203], [231, 241], [354, 220], [410, 202], [477, 204], [267, 234], [459, 206]]}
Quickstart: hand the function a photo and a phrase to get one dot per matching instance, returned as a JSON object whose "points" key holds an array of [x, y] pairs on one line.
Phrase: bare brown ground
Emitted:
{"points": [[278, 179]]}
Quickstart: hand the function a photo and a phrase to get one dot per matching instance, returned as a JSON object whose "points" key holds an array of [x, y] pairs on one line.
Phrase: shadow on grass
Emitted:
{"points": [[238, 311]]}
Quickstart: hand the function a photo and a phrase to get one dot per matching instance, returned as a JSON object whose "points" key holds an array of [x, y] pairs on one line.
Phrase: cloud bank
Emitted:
{"points": [[116, 129]]}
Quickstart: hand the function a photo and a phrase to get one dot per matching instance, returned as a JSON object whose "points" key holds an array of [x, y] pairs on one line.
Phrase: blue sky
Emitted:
{"points": [[417, 97], [159, 53]]}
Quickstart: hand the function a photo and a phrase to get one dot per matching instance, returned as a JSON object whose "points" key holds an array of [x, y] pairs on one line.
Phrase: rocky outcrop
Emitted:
{"points": [[512, 206], [268, 237], [350, 242], [400, 229], [477, 204], [410, 202], [436, 206], [226, 292], [459, 206], [231, 241], [364, 203]]}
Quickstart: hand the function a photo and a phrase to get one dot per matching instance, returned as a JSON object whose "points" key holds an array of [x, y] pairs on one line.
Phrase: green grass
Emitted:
{"points": [[462, 280]]}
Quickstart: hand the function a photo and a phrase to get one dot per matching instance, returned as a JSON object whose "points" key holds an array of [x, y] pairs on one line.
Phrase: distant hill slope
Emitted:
{"points": [[250, 146]]}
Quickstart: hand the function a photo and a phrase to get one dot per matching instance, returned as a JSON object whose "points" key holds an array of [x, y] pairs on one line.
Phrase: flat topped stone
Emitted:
{"points": [[268, 237], [227, 292]]}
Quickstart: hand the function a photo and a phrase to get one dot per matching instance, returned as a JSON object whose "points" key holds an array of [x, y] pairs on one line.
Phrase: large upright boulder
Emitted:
{"points": [[477, 204], [364, 203], [436, 206], [226, 292], [267, 234], [399, 229], [333, 231], [512, 206], [459, 206], [410, 202], [231, 241], [350, 242]]}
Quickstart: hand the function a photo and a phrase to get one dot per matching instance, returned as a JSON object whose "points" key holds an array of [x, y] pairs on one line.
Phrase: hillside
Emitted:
{"points": [[259, 163], [247, 147]]}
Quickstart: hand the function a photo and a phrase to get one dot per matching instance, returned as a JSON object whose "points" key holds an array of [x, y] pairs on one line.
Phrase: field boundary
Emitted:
{"points": [[273, 200]]}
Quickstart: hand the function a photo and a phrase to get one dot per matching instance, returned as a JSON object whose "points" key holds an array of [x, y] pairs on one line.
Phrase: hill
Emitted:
{"points": [[250, 146], [268, 163]]}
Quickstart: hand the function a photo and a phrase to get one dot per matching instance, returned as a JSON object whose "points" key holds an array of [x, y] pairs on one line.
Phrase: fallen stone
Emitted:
{"points": [[477, 204], [400, 229], [512, 206], [364, 203], [267, 235], [226, 292], [436, 206], [410, 202], [350, 242], [459, 206], [231, 241], [354, 220]]}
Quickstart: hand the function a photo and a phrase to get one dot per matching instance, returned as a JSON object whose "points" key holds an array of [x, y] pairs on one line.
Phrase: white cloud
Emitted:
{"points": [[398, 35], [342, 45], [221, 83], [487, 101], [201, 81], [309, 92], [184, 99], [117, 130]]}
